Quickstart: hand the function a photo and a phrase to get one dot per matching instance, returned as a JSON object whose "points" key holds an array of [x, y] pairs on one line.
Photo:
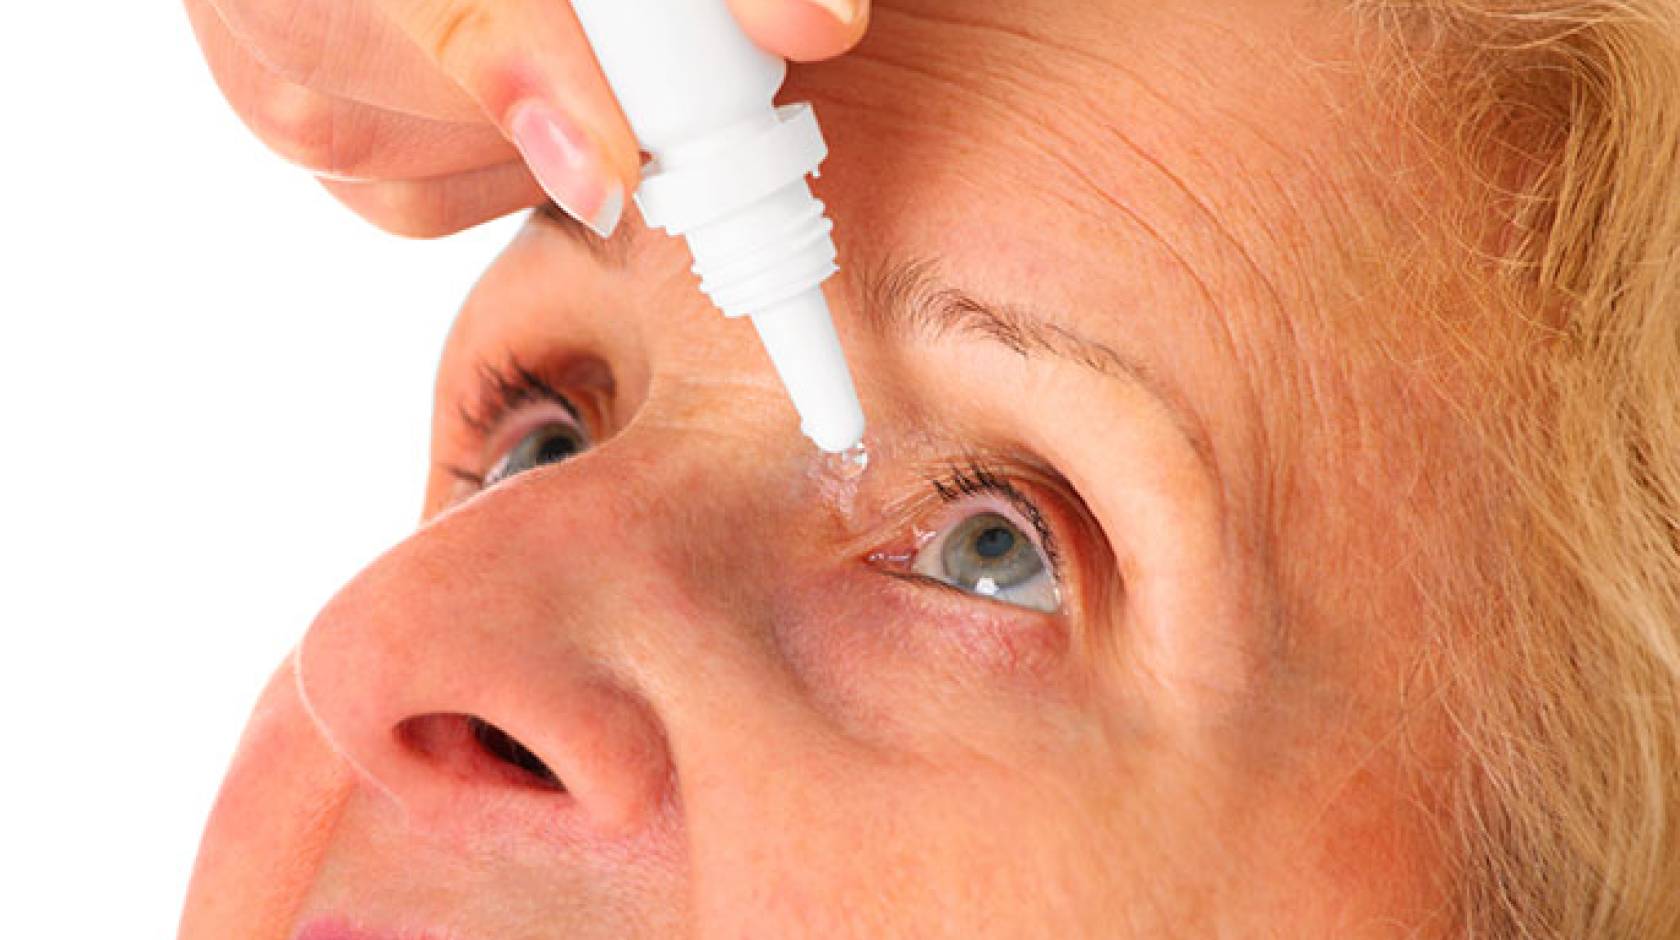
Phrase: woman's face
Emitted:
{"points": [[1113, 638]]}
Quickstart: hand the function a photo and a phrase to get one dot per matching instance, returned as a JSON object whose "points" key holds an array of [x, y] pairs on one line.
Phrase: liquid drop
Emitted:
{"points": [[849, 464], [841, 475]]}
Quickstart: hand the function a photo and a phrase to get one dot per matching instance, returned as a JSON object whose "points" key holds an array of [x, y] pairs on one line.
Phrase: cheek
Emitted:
{"points": [[271, 825], [921, 667]]}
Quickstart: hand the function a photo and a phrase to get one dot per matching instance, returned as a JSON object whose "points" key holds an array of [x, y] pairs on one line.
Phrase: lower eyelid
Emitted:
{"points": [[998, 637], [967, 600]]}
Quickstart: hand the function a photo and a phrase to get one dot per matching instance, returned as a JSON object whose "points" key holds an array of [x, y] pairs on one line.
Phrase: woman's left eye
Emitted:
{"points": [[550, 442], [987, 554]]}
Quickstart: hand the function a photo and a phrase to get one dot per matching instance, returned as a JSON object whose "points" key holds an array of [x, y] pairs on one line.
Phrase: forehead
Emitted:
{"points": [[1186, 182], [1092, 124], [1190, 183], [1198, 176]]}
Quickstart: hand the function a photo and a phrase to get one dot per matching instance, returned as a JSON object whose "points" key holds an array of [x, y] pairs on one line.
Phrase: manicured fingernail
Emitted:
{"points": [[567, 164], [846, 11]]}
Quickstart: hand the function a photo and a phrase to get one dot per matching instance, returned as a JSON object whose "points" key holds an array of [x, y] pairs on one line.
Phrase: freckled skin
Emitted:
{"points": [[763, 735]]}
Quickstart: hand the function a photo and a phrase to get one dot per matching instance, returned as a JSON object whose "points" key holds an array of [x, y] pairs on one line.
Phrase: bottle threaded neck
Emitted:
{"points": [[763, 254]]}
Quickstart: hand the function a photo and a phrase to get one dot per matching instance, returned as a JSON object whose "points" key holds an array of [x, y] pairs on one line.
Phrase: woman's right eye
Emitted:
{"points": [[552, 441]]}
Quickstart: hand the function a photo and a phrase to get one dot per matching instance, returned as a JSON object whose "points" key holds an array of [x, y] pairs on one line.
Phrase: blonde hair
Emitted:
{"points": [[1566, 702]]}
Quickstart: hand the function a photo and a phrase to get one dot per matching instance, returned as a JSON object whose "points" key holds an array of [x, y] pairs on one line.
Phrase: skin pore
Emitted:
{"points": [[1116, 270]]}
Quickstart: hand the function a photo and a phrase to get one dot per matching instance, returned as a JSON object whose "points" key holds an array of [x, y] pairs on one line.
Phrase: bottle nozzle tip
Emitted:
{"points": [[799, 336], [841, 437]]}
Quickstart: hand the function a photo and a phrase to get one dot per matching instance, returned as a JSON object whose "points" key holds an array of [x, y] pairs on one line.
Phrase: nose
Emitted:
{"points": [[476, 674]]}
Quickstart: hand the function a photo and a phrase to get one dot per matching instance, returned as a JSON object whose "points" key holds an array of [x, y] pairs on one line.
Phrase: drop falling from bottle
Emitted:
{"points": [[849, 464], [841, 475]]}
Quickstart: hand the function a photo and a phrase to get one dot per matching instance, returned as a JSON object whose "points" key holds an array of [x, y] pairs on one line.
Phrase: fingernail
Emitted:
{"points": [[567, 165], [846, 11]]}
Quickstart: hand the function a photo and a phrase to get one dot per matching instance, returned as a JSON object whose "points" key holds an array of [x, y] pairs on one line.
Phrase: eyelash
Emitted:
{"points": [[961, 481], [505, 389]]}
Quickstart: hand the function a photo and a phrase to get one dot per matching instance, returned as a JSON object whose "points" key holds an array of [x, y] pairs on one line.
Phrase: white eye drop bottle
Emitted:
{"points": [[728, 174]]}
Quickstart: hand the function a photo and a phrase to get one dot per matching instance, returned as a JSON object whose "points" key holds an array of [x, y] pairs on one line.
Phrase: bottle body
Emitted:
{"points": [[728, 173], [681, 69]]}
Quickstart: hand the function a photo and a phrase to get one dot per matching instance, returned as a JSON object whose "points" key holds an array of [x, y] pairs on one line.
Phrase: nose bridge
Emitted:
{"points": [[536, 607]]}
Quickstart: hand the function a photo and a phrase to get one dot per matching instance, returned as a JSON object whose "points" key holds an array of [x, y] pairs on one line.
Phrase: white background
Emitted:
{"points": [[214, 393]]}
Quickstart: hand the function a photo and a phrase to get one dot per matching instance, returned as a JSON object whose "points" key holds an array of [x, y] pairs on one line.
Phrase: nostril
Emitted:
{"points": [[506, 748], [473, 748]]}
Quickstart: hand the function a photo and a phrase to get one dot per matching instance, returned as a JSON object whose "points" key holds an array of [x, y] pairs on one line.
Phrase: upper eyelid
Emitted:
{"points": [[512, 425], [501, 390], [495, 440]]}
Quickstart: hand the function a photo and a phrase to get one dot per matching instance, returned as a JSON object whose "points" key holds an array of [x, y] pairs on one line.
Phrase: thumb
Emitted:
{"points": [[803, 30]]}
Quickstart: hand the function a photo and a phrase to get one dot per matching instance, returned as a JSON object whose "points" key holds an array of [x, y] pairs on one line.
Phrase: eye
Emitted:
{"points": [[553, 441], [988, 555]]}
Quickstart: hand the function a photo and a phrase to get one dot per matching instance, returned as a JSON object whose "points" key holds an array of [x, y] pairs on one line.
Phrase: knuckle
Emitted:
{"points": [[450, 31], [311, 130], [412, 209]]}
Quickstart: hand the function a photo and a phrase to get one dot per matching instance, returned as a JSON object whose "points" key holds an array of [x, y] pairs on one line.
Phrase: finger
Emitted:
{"points": [[334, 136], [434, 207], [345, 48], [803, 30], [529, 67]]}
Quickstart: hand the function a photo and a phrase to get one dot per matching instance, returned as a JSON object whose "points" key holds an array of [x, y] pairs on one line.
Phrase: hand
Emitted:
{"points": [[416, 113]]}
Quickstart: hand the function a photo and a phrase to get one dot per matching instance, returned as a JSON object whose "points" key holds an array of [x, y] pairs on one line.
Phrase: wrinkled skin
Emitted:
{"points": [[765, 728]]}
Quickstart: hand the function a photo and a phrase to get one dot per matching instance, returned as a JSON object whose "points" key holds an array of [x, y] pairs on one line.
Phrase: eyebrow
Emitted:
{"points": [[907, 298], [612, 252]]}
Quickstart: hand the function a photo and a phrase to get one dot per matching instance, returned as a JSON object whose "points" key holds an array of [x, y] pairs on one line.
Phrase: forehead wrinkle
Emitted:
{"points": [[1049, 140], [966, 36], [1215, 313], [1002, 68], [906, 297], [1065, 126]]}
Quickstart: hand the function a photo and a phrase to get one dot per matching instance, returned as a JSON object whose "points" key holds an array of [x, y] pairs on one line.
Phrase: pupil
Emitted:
{"points": [[556, 448], [994, 542]]}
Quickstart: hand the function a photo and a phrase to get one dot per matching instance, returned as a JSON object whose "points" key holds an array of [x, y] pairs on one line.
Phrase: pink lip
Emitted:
{"points": [[337, 928]]}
